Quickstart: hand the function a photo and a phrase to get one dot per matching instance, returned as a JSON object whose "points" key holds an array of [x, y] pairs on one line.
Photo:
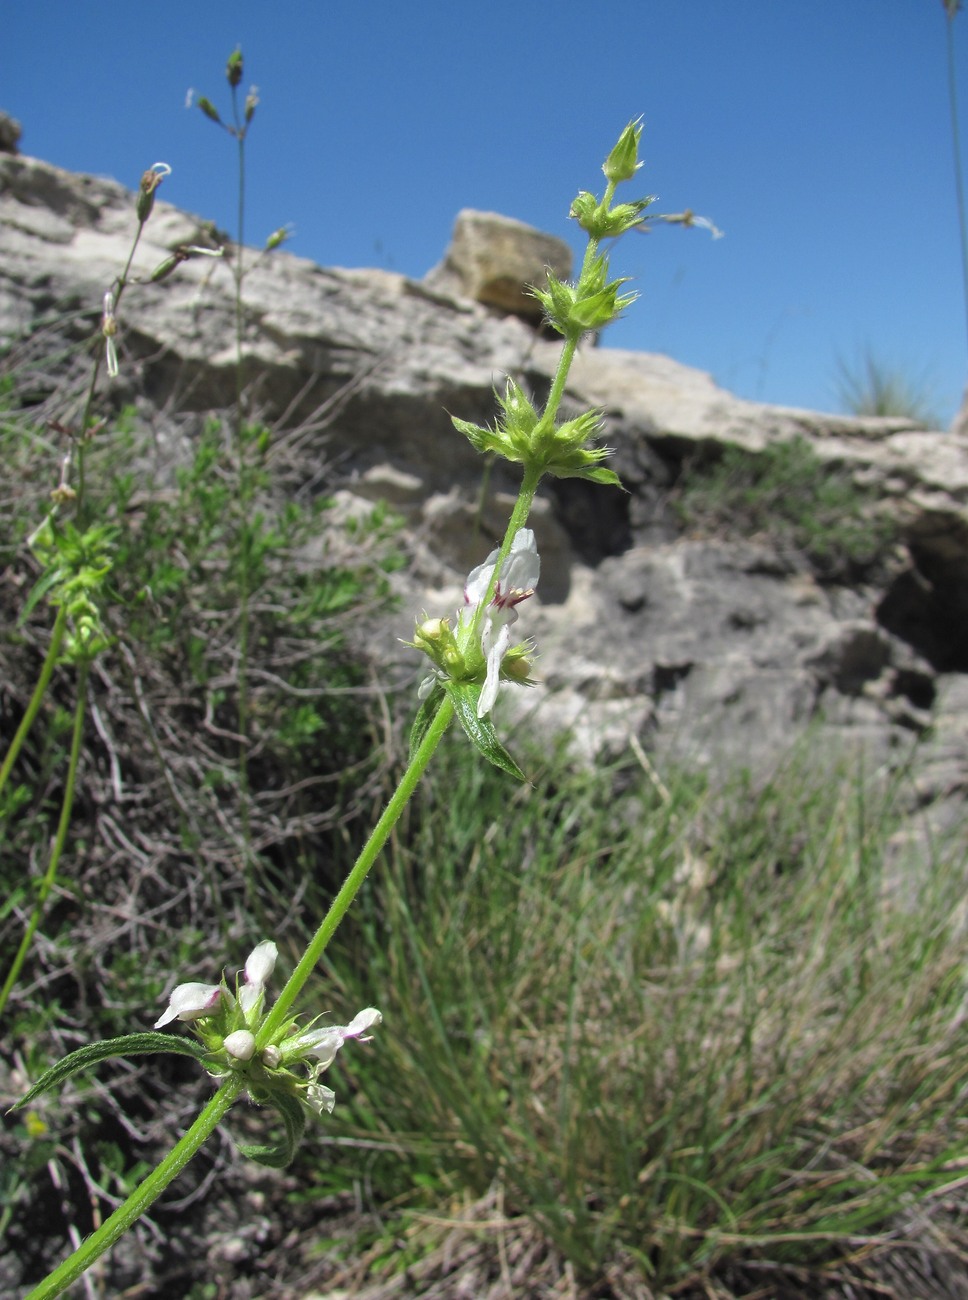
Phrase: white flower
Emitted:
{"points": [[189, 1002], [109, 329], [259, 965], [240, 1044], [320, 1098], [517, 581], [325, 1043]]}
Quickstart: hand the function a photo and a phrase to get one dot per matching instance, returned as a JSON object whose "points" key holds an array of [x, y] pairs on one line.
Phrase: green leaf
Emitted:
{"points": [[480, 731], [128, 1045], [598, 474], [425, 716], [294, 1119], [37, 593]]}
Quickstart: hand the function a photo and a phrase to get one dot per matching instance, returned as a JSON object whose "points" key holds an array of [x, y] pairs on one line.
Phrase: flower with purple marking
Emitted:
{"points": [[517, 581]]}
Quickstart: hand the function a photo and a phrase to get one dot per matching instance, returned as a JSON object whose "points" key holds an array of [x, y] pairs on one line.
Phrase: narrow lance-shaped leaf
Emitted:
{"points": [[93, 1053], [480, 731], [294, 1120], [425, 716]]}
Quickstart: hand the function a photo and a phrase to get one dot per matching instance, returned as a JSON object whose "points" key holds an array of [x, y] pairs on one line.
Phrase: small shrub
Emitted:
{"points": [[788, 495]]}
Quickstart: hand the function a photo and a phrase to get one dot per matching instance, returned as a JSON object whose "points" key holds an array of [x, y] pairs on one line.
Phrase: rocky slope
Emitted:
{"points": [[704, 644]]}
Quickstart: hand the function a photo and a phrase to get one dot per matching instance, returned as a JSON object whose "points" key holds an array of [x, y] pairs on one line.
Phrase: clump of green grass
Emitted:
{"points": [[870, 386], [788, 495], [698, 1035]]}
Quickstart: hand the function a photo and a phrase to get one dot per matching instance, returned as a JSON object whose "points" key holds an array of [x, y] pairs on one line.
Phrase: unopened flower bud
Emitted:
{"points": [[164, 269], [622, 163], [431, 630], [271, 1056], [241, 1045], [233, 68], [150, 181], [279, 237], [251, 103], [208, 108]]}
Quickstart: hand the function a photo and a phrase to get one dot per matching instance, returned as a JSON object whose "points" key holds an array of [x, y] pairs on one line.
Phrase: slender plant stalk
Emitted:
{"points": [[40, 690], [245, 557], [351, 886], [80, 443], [142, 1197], [60, 839], [47, 668], [154, 1184], [274, 1025]]}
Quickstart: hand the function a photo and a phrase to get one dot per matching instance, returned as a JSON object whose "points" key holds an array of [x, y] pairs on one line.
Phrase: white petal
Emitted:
{"points": [[320, 1098], [189, 1001], [241, 1045], [522, 568], [362, 1021], [250, 995], [495, 654], [479, 579], [261, 962], [323, 1044]]}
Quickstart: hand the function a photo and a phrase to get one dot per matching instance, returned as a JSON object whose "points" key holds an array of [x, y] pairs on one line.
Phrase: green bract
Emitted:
{"points": [[623, 162], [604, 222], [520, 435], [576, 309]]}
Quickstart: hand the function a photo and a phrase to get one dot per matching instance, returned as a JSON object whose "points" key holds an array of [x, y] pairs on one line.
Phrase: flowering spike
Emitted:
{"points": [[229, 1028]]}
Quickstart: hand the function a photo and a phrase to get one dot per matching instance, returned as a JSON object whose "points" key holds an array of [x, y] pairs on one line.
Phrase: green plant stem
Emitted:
{"points": [[956, 148], [60, 839], [40, 690], [142, 1197], [122, 283], [561, 377], [351, 886], [244, 505]]}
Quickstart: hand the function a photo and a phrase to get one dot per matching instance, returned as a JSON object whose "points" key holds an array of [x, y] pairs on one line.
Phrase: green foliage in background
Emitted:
{"points": [[683, 1029], [869, 386], [796, 501], [160, 806]]}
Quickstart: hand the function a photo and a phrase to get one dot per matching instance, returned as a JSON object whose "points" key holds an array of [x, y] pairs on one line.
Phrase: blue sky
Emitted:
{"points": [[815, 133]]}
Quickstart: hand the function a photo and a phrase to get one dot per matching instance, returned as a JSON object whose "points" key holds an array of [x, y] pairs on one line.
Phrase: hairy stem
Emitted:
{"points": [[142, 1197], [351, 886], [40, 690], [60, 839]]}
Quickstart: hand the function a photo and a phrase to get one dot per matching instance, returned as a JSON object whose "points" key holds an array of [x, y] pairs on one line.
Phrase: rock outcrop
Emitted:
{"points": [[714, 648], [494, 259], [10, 133]]}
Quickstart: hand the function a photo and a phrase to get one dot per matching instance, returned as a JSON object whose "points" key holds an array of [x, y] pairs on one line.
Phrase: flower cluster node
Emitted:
{"points": [[228, 1024], [480, 649], [109, 330], [564, 449]]}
